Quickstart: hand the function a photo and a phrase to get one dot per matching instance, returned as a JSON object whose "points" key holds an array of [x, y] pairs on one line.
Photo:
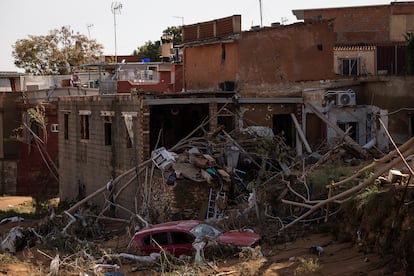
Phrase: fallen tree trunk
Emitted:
{"points": [[375, 163], [351, 191]]}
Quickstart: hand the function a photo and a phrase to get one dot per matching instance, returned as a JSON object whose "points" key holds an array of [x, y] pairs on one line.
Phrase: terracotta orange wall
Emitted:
{"points": [[298, 52], [204, 69]]}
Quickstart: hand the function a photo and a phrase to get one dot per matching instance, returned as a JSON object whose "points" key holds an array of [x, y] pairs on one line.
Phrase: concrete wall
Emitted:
{"points": [[292, 53], [91, 163], [87, 165], [367, 126], [366, 56], [8, 177], [395, 95]]}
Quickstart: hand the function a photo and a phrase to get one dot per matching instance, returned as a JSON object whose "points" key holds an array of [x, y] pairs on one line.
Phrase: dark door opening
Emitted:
{"points": [[283, 126], [315, 131], [176, 122]]}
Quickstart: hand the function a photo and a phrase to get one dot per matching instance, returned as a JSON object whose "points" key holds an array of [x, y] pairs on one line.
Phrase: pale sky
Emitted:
{"points": [[139, 21]]}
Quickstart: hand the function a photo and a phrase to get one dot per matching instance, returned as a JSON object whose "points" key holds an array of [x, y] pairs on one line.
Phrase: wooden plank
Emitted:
{"points": [[354, 145], [301, 134]]}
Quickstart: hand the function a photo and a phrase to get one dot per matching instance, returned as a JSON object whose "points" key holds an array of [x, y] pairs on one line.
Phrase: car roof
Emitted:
{"points": [[185, 225]]}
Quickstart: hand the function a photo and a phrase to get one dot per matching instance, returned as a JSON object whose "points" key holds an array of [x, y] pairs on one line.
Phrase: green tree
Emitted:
{"points": [[151, 50], [175, 32], [55, 53]]}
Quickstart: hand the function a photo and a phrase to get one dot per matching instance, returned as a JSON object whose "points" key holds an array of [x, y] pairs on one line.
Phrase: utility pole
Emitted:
{"points": [[182, 19], [116, 8], [261, 15]]}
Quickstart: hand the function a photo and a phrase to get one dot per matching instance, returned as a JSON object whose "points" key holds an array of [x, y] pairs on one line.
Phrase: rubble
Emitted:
{"points": [[256, 181]]}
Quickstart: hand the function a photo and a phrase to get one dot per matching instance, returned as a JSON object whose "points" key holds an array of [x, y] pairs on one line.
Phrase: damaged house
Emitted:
{"points": [[371, 51], [232, 81], [29, 131]]}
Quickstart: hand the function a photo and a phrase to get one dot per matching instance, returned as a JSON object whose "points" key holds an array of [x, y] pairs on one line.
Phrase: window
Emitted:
{"points": [[181, 238], [108, 130], [146, 240], [160, 238], [350, 66], [202, 230], [54, 128], [411, 125], [84, 124], [284, 127], [223, 53], [66, 126], [128, 138], [353, 133]]}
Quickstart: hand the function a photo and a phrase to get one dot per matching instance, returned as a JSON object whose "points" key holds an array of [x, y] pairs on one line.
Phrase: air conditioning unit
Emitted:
{"points": [[345, 98]]}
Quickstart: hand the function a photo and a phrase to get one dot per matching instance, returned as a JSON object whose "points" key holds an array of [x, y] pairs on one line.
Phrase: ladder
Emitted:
{"points": [[212, 209]]}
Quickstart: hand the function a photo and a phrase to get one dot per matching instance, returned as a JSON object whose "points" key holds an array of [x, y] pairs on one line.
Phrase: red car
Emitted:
{"points": [[177, 237]]}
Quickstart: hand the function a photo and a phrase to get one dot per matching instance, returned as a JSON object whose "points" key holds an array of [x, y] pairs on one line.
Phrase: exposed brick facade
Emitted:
{"points": [[298, 52], [205, 67], [212, 29], [379, 24], [269, 56]]}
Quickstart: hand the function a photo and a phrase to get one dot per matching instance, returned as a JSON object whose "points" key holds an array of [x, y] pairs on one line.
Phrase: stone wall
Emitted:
{"points": [[395, 95]]}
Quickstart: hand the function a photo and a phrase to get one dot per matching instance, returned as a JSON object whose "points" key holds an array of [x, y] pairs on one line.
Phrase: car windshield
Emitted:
{"points": [[202, 230]]}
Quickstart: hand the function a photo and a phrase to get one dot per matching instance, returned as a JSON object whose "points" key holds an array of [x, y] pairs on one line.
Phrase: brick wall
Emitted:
{"points": [[205, 67], [368, 24], [185, 200], [292, 53], [212, 29]]}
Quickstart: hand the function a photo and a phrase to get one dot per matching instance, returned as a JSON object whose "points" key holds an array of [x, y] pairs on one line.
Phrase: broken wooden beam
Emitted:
{"points": [[301, 134], [350, 142]]}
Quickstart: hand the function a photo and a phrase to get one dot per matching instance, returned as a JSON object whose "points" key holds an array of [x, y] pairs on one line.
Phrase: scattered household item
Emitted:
{"points": [[318, 250], [232, 154], [162, 158], [189, 171]]}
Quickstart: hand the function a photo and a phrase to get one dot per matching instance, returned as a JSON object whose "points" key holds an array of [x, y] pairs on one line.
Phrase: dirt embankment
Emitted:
{"points": [[380, 221]]}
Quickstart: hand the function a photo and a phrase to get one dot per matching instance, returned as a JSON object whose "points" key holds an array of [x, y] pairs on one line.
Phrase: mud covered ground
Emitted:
{"points": [[339, 258]]}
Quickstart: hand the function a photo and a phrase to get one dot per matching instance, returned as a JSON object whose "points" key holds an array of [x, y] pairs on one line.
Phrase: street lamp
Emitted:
{"points": [[116, 8]]}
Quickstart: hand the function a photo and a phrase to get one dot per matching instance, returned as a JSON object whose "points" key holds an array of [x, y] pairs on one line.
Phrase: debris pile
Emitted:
{"points": [[256, 181]]}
